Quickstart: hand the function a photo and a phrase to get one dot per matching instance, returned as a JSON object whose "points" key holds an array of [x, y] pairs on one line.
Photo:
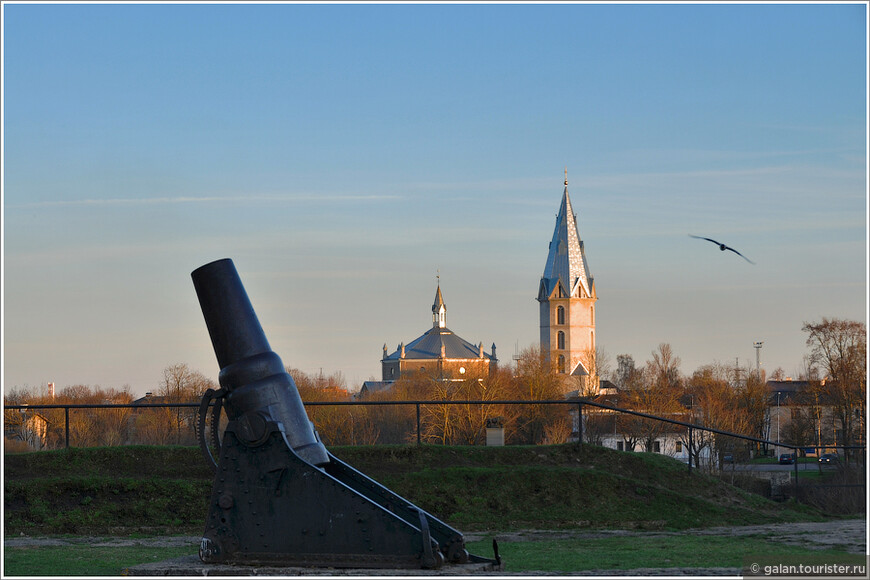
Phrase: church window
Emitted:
{"points": [[560, 315], [562, 364], [560, 340]]}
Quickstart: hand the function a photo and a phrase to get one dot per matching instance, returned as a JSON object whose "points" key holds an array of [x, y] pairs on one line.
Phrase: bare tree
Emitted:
{"points": [[627, 376], [597, 362], [180, 384], [753, 402], [839, 347], [778, 374], [536, 379], [714, 404], [664, 368], [657, 393]]}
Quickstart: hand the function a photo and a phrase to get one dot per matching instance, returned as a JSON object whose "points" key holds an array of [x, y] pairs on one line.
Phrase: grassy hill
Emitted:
{"points": [[140, 489]]}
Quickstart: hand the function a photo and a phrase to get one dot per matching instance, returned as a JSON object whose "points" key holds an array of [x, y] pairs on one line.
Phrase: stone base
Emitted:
{"points": [[193, 566]]}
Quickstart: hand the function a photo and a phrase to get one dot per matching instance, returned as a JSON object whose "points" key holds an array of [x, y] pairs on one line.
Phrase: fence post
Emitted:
{"points": [[66, 424], [419, 440], [796, 454], [580, 422], [690, 450]]}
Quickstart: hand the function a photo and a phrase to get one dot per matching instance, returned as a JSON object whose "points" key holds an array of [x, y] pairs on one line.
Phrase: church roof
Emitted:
{"points": [[429, 346], [566, 259]]}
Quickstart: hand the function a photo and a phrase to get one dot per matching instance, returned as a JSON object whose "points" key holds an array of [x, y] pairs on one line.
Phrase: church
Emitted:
{"points": [[566, 296], [439, 352]]}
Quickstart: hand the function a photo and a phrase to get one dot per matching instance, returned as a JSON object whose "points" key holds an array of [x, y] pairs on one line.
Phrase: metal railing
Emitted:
{"points": [[579, 404]]}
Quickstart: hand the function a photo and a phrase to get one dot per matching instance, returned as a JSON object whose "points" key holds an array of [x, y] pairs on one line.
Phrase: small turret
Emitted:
{"points": [[439, 310]]}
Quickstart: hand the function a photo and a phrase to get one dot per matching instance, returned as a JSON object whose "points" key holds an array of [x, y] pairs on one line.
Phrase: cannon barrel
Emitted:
{"points": [[258, 387]]}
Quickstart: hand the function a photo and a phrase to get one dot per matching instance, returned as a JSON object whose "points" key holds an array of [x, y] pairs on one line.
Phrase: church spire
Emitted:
{"points": [[439, 309], [566, 260]]}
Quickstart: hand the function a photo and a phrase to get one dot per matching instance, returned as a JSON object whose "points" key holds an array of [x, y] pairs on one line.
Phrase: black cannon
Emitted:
{"points": [[279, 497]]}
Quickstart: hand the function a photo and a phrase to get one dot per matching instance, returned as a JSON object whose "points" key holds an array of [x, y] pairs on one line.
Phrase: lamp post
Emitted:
{"points": [[757, 346], [777, 422]]}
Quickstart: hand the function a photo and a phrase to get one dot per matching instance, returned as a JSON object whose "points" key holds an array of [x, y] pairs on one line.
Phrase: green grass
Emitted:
{"points": [[565, 556], [122, 490], [98, 504], [148, 491], [84, 560], [633, 552], [567, 497]]}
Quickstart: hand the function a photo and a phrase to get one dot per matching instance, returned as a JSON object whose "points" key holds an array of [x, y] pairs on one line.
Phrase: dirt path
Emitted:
{"points": [[847, 535]]}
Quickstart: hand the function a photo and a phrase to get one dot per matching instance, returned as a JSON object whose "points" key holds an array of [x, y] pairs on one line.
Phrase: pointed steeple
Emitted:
{"points": [[567, 298], [566, 261], [439, 309]]}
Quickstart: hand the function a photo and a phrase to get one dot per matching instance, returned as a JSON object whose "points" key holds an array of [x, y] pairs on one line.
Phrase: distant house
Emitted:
{"points": [[371, 387], [625, 432], [32, 429], [149, 399], [801, 413]]}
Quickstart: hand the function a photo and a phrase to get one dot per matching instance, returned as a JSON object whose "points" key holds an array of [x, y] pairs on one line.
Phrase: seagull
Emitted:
{"points": [[723, 247]]}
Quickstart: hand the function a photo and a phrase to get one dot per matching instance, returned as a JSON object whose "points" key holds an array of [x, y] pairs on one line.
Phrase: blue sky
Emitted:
{"points": [[343, 155]]}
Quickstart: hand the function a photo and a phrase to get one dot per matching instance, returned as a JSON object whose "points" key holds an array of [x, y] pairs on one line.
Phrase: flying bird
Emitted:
{"points": [[723, 247]]}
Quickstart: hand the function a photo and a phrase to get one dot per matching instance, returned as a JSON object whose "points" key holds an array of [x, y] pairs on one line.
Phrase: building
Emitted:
{"points": [[802, 413], [567, 299], [438, 352], [28, 426]]}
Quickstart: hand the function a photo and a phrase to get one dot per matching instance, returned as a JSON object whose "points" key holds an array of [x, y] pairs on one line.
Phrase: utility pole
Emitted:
{"points": [[757, 346]]}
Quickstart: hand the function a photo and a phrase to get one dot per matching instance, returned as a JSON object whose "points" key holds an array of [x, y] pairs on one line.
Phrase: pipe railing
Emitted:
{"points": [[578, 403]]}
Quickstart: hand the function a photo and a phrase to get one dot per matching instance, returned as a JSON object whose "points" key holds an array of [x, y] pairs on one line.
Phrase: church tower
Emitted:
{"points": [[567, 299]]}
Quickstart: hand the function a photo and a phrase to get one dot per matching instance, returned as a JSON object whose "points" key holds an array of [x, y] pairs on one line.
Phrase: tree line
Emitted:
{"points": [[46, 428], [728, 398]]}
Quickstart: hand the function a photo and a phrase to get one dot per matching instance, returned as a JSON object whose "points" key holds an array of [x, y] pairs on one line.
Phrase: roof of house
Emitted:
{"points": [[369, 387], [786, 386], [150, 399]]}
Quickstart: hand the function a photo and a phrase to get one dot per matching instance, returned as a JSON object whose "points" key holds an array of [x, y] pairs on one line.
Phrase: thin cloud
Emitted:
{"points": [[256, 198]]}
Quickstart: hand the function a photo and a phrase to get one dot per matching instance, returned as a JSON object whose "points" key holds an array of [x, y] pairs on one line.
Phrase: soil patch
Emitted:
{"points": [[846, 535]]}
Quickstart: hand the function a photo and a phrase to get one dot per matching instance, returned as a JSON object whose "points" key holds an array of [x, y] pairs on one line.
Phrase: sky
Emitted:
{"points": [[344, 156]]}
